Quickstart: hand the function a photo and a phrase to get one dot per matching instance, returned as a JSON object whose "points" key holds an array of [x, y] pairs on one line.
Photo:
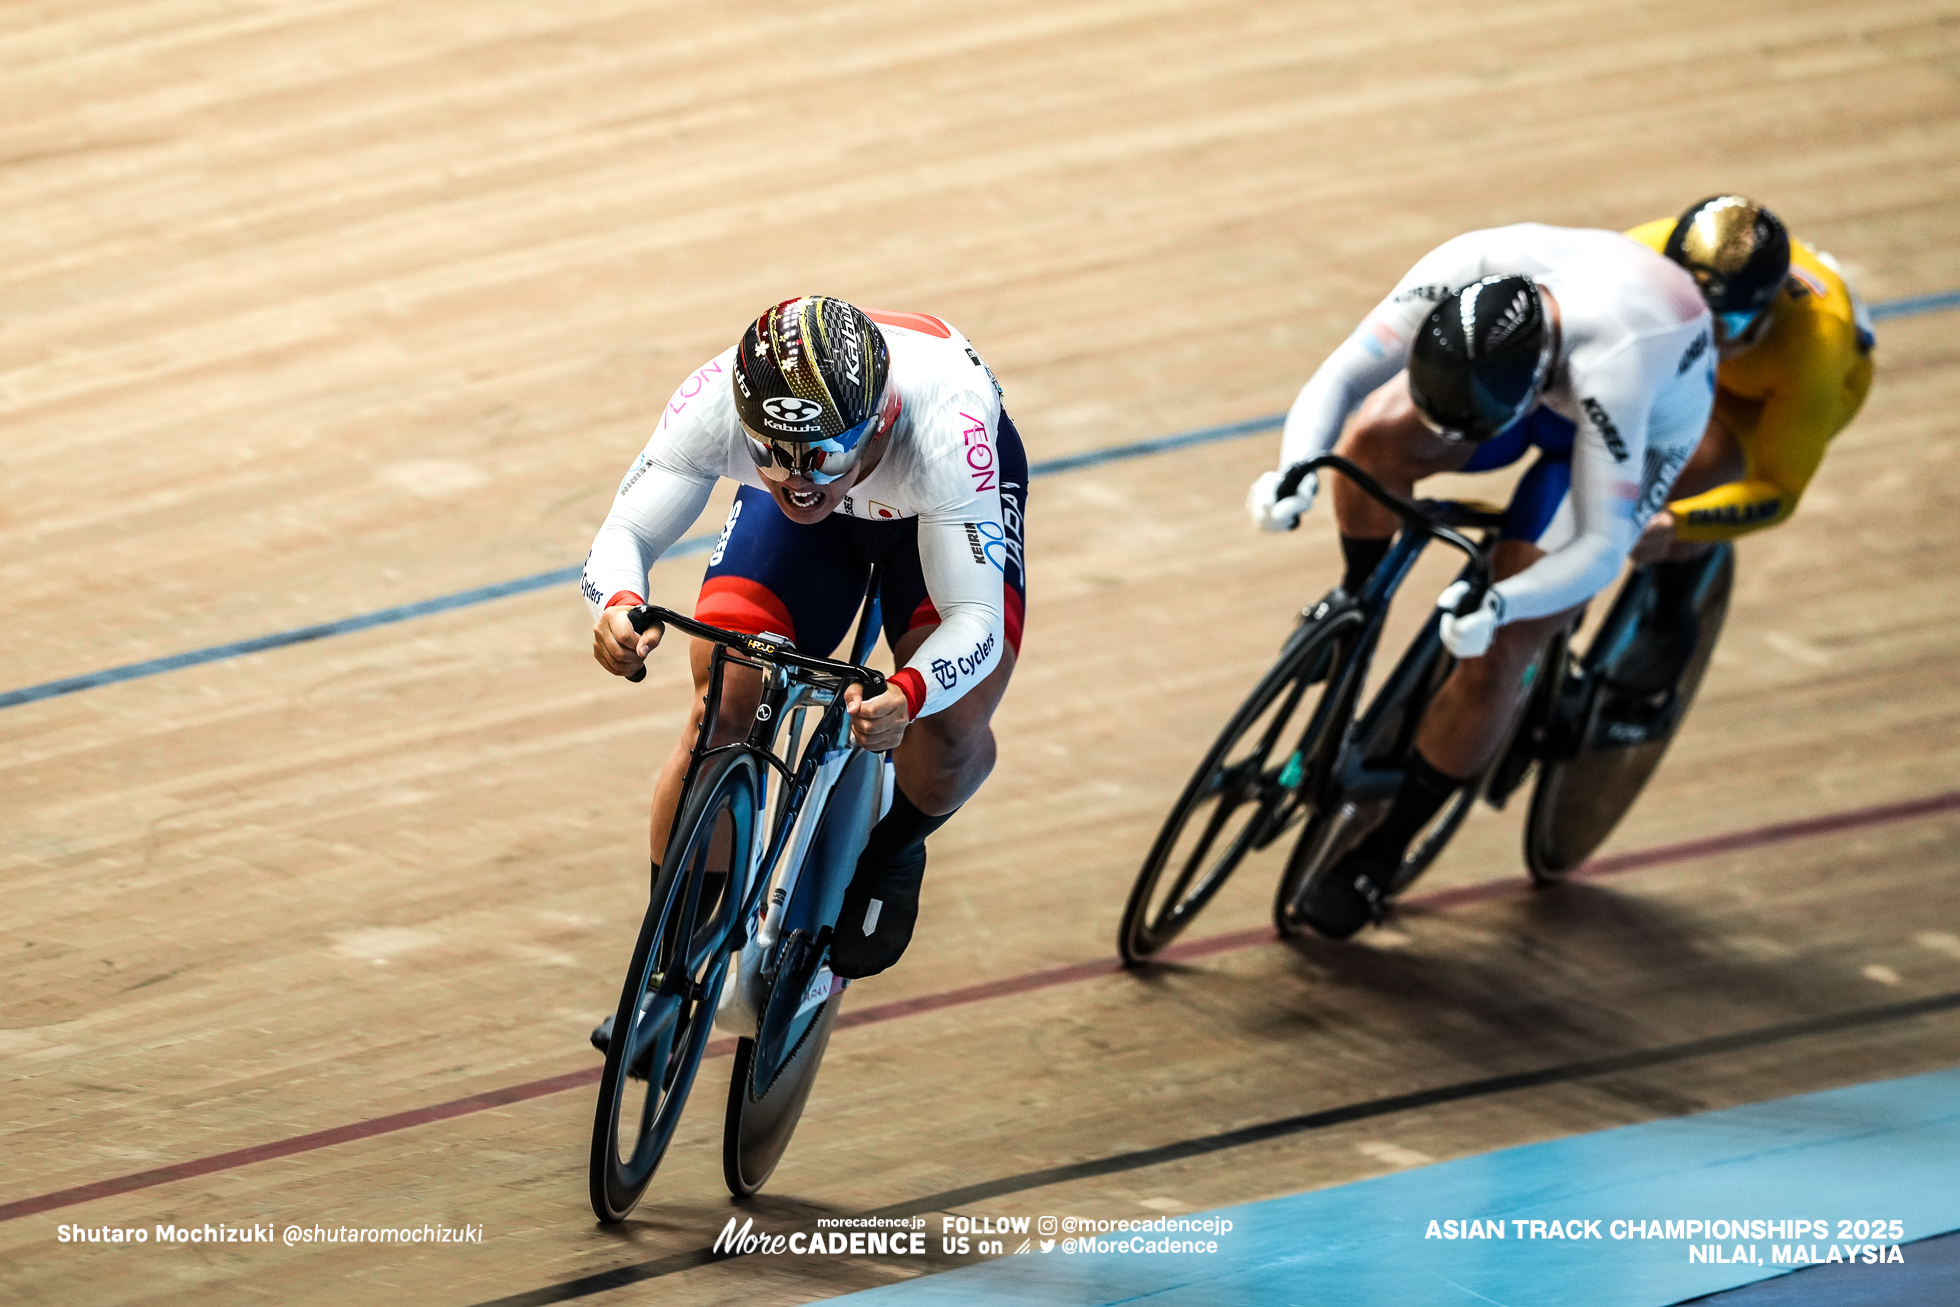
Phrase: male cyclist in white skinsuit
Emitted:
{"points": [[1583, 343], [859, 438]]}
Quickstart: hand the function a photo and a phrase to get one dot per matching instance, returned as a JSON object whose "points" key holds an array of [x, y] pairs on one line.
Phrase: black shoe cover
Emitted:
{"points": [[1347, 898], [876, 921]]}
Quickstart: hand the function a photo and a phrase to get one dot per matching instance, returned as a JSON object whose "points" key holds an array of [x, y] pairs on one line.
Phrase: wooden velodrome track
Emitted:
{"points": [[310, 309]]}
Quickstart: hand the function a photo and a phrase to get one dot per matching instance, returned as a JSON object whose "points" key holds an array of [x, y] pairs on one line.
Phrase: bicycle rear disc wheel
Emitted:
{"points": [[1243, 794], [1579, 800], [666, 1008]]}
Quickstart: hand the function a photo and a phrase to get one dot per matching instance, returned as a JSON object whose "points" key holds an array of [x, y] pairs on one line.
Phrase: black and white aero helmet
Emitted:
{"points": [[1481, 358]]}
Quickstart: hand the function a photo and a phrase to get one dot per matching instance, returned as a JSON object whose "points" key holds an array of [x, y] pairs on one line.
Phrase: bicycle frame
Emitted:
{"points": [[792, 684], [1335, 755], [1423, 521]]}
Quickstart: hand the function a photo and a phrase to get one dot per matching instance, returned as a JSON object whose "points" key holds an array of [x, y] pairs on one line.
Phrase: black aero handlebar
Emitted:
{"points": [[1416, 516], [649, 615]]}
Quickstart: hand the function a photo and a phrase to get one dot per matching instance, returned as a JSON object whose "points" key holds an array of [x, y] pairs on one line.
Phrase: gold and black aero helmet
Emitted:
{"points": [[810, 379], [1738, 253], [1480, 359]]}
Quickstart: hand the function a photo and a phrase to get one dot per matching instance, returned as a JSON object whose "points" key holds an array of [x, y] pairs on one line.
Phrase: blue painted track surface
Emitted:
{"points": [[1889, 1150], [1930, 1278]]}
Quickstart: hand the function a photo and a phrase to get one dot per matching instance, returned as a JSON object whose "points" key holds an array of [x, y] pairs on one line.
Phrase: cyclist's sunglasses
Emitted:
{"points": [[818, 461]]}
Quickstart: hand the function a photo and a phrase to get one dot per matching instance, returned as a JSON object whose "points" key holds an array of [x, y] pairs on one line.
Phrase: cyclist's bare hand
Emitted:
{"points": [[617, 647], [877, 724], [1655, 541]]}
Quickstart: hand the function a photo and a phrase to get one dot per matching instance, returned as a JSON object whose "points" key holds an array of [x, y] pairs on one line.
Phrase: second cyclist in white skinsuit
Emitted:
{"points": [[1635, 376], [1615, 403]]}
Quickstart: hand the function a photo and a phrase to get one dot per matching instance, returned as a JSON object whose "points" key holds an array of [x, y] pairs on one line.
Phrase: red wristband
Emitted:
{"points": [[912, 686], [624, 597]]}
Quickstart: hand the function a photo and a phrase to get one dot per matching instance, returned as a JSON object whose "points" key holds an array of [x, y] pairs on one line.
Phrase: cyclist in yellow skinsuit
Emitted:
{"points": [[1795, 351]]}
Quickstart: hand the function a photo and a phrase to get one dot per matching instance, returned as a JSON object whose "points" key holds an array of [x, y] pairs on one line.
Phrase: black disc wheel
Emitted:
{"points": [[1255, 782], [776, 1068], [666, 1009], [1579, 799], [775, 1071]]}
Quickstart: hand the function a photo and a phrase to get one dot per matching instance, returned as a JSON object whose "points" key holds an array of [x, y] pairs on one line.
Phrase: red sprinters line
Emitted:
{"points": [[1639, 859], [1688, 850], [342, 1134], [1783, 833]]}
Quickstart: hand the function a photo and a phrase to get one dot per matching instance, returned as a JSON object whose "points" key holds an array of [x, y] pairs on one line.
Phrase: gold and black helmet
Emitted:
{"points": [[810, 378], [1738, 253]]}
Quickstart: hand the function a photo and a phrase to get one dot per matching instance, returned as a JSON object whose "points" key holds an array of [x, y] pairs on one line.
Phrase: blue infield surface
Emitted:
{"points": [[1885, 1152], [1930, 1277]]}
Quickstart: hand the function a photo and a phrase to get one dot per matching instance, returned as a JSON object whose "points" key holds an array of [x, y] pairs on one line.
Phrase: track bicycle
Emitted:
{"points": [[749, 881], [1302, 752]]}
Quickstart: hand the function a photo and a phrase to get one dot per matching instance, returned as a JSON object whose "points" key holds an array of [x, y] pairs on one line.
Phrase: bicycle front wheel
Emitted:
{"points": [[774, 1070], [1246, 791], [666, 1009]]}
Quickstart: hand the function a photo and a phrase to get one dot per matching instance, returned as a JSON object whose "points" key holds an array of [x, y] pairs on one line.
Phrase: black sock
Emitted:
{"points": [[1424, 791], [1362, 554], [901, 833]]}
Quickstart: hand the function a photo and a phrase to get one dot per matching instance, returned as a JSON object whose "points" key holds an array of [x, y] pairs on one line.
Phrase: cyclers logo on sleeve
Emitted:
{"points": [[1603, 424], [948, 671]]}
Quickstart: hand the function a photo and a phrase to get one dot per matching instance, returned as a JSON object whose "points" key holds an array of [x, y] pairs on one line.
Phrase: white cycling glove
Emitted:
{"points": [[1270, 512], [1470, 636]]}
